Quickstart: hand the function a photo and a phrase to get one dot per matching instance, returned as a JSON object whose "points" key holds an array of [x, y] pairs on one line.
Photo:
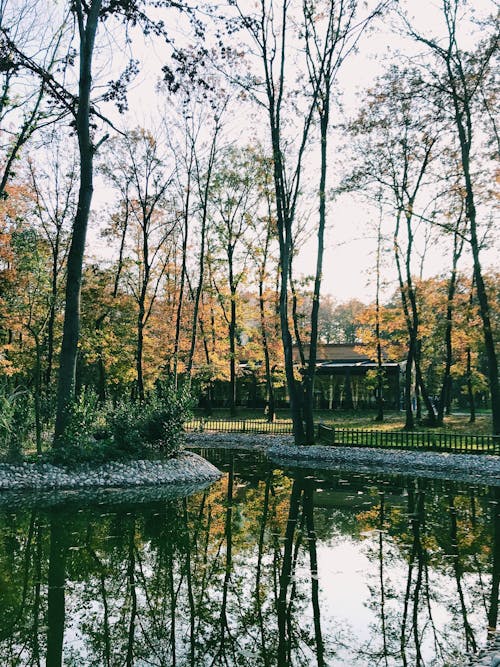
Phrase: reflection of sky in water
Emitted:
{"points": [[128, 573]]}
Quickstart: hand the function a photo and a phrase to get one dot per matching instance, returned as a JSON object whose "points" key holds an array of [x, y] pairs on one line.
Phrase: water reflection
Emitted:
{"points": [[262, 568]]}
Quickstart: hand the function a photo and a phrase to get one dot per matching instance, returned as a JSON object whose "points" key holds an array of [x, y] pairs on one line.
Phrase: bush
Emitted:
{"points": [[154, 426], [130, 429], [16, 422], [83, 441]]}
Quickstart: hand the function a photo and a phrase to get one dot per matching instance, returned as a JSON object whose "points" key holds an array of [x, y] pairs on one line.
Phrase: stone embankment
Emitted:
{"points": [[473, 468], [186, 468]]}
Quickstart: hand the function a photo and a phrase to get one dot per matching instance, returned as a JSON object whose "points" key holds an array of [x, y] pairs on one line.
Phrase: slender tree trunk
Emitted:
{"points": [[139, 352], [52, 314], [99, 323], [204, 196], [470, 388], [489, 342], [265, 346], [285, 243], [196, 305], [178, 319], [409, 419], [232, 338], [141, 315], [71, 327], [463, 121], [414, 326], [310, 372], [444, 397], [101, 369], [380, 371], [38, 395]]}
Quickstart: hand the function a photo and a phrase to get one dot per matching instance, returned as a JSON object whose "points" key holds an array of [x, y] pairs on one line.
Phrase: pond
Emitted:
{"points": [[264, 567]]}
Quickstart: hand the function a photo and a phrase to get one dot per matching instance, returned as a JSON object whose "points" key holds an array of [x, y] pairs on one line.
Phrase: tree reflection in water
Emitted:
{"points": [[247, 573]]}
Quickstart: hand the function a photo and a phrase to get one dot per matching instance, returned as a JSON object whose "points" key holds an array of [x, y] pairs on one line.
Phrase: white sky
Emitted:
{"points": [[350, 243]]}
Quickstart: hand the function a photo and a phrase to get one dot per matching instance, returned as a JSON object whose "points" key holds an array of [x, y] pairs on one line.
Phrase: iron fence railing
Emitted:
{"points": [[239, 426], [461, 443]]}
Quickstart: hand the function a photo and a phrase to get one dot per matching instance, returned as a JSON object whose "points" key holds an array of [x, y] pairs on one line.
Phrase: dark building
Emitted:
{"points": [[345, 377]]}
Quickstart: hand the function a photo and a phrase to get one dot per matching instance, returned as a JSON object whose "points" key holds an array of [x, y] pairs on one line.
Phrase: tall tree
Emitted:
{"points": [[53, 188], [83, 106], [235, 198], [456, 77], [332, 31], [395, 142], [136, 166], [328, 32]]}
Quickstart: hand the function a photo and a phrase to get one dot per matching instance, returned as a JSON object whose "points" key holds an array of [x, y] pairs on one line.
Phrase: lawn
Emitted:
{"points": [[364, 419]]}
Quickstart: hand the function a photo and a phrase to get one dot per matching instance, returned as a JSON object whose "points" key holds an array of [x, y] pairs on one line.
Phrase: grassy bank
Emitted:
{"points": [[394, 421]]}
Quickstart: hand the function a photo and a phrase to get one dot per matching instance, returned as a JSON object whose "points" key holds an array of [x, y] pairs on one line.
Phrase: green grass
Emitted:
{"points": [[394, 421]]}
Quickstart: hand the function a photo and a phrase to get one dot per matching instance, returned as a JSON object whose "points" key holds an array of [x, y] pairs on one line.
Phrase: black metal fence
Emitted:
{"points": [[239, 426], [429, 441], [460, 443]]}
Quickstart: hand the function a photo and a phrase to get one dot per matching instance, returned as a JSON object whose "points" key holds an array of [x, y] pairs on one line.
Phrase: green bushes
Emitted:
{"points": [[82, 442], [155, 425], [16, 422], [128, 429]]}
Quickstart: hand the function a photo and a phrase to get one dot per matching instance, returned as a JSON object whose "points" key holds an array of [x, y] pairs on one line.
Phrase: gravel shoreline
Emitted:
{"points": [[476, 469], [186, 468], [189, 471]]}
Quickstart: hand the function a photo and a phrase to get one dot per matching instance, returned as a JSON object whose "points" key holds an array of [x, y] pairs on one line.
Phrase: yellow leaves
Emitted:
{"points": [[7, 367]]}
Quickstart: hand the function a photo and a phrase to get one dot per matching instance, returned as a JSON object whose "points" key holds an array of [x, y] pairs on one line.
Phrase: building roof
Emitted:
{"points": [[342, 353]]}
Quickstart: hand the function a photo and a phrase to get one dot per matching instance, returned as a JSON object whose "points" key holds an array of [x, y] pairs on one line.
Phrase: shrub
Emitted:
{"points": [[16, 422], [130, 429], [153, 426], [81, 442]]}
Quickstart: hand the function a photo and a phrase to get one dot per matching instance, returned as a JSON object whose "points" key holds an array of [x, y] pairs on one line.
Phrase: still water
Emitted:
{"points": [[264, 567]]}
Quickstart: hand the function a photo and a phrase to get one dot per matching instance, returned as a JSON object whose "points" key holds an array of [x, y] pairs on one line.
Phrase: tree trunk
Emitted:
{"points": [[310, 373], [52, 314], [265, 346], [139, 352], [409, 420], [38, 395], [285, 243], [232, 351], [470, 388], [71, 327], [489, 342], [178, 319], [444, 398], [462, 112], [380, 375]]}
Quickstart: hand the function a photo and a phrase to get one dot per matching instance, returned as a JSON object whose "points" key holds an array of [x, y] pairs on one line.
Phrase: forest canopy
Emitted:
{"points": [[176, 182]]}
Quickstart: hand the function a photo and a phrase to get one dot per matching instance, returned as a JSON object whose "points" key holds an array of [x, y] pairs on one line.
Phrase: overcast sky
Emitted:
{"points": [[350, 240]]}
